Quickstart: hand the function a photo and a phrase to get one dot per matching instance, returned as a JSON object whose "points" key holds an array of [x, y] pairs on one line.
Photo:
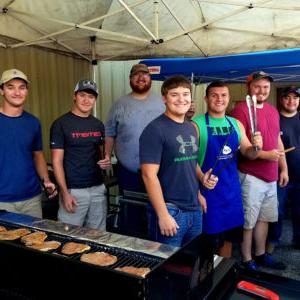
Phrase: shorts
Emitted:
{"points": [[91, 210], [31, 207], [259, 200], [233, 235]]}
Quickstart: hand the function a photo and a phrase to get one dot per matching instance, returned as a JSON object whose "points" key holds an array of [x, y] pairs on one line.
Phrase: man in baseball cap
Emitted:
{"points": [[21, 146], [13, 74], [261, 208], [77, 144], [258, 75], [87, 85]]}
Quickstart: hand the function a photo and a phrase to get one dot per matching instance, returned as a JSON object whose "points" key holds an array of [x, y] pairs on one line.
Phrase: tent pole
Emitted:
{"points": [[146, 29], [94, 69], [156, 18]]}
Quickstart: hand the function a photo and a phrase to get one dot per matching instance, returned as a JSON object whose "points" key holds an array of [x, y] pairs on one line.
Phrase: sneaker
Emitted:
{"points": [[266, 260], [250, 265]]}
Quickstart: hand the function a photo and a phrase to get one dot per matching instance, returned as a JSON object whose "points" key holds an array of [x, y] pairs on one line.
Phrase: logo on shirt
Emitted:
{"points": [[186, 144], [77, 135]]}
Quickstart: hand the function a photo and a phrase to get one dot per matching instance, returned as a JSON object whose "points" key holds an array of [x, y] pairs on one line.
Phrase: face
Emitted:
{"points": [[290, 103], [14, 92], [217, 100], [84, 102], [261, 89], [140, 82], [178, 101], [190, 113]]}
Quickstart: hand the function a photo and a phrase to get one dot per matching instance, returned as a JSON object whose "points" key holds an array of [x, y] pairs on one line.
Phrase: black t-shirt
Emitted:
{"points": [[174, 146], [290, 128], [80, 139]]}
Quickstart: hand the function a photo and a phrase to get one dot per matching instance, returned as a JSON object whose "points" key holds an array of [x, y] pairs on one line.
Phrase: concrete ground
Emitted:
{"points": [[284, 253]]}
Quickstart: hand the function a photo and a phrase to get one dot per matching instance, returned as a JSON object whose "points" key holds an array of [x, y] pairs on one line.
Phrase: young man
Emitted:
{"points": [[290, 128], [22, 162], [76, 139], [258, 178], [168, 156], [126, 120], [221, 137]]}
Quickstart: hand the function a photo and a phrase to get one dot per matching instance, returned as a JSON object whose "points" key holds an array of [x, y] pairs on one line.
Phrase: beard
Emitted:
{"points": [[140, 89]]}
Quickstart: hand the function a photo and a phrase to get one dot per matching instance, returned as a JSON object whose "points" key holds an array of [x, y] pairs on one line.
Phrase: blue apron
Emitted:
{"points": [[224, 202]]}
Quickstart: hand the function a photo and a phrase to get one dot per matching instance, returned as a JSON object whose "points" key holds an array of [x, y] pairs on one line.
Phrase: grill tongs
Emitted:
{"points": [[251, 104]]}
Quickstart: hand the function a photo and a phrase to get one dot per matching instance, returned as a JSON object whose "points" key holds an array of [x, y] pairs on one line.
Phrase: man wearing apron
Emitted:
{"points": [[221, 138]]}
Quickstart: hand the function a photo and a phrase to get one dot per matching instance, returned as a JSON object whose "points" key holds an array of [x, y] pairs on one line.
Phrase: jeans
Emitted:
{"points": [[290, 192], [189, 222]]}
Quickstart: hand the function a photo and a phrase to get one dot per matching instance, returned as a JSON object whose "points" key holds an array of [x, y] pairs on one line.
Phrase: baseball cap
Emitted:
{"points": [[258, 75], [86, 85], [12, 74], [139, 68], [289, 90]]}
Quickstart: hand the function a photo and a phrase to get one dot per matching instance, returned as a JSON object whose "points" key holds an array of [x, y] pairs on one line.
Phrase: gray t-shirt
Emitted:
{"points": [[126, 121]]}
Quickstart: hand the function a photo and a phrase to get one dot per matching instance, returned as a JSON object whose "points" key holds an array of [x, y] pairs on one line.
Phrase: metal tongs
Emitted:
{"points": [[251, 104]]}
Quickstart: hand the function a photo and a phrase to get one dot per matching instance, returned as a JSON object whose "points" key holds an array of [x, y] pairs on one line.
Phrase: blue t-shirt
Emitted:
{"points": [[290, 128], [19, 137], [174, 146]]}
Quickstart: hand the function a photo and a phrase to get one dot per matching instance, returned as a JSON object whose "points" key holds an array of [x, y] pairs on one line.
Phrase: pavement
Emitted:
{"points": [[284, 253]]}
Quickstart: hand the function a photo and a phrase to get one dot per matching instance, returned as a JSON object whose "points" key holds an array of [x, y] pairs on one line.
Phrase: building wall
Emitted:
{"points": [[52, 80]]}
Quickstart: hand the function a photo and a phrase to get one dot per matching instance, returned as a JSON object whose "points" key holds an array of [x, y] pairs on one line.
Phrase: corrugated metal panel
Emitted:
{"points": [[52, 76]]}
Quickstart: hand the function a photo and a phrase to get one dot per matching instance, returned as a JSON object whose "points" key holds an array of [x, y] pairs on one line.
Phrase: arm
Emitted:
{"points": [[69, 202], [42, 170], [275, 155], [166, 222], [247, 148], [283, 175], [109, 146]]}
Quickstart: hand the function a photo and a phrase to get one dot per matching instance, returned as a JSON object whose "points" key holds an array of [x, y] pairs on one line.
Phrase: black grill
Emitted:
{"points": [[33, 274], [125, 258]]}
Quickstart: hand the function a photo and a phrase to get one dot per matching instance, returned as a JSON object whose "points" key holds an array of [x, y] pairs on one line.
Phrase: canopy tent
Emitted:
{"points": [[130, 29], [282, 65]]}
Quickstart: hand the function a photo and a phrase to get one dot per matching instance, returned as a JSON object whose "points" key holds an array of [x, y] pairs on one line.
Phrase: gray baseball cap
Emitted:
{"points": [[86, 85]]}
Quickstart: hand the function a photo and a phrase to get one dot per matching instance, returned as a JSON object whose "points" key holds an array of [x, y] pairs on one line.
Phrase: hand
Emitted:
{"points": [[50, 189], [283, 178], [202, 201], [104, 163], [275, 154], [69, 202], [257, 140], [167, 225], [209, 180]]}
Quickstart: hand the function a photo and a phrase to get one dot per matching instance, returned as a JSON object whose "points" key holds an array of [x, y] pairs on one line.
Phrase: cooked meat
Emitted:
{"points": [[72, 248], [142, 272], [2, 228], [14, 234], [46, 246], [37, 237], [99, 258]]}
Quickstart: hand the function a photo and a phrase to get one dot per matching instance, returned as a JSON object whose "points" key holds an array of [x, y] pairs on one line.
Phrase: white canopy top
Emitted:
{"points": [[131, 29]]}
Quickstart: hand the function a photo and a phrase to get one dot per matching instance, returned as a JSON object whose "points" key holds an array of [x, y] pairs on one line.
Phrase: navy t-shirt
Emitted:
{"points": [[290, 128], [19, 138], [174, 146], [80, 139]]}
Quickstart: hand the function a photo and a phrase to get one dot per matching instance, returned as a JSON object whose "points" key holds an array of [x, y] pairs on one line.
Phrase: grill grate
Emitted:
{"points": [[125, 258]]}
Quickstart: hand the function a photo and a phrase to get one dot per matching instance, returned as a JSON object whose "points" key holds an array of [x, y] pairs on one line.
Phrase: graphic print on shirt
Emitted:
{"points": [[184, 146]]}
